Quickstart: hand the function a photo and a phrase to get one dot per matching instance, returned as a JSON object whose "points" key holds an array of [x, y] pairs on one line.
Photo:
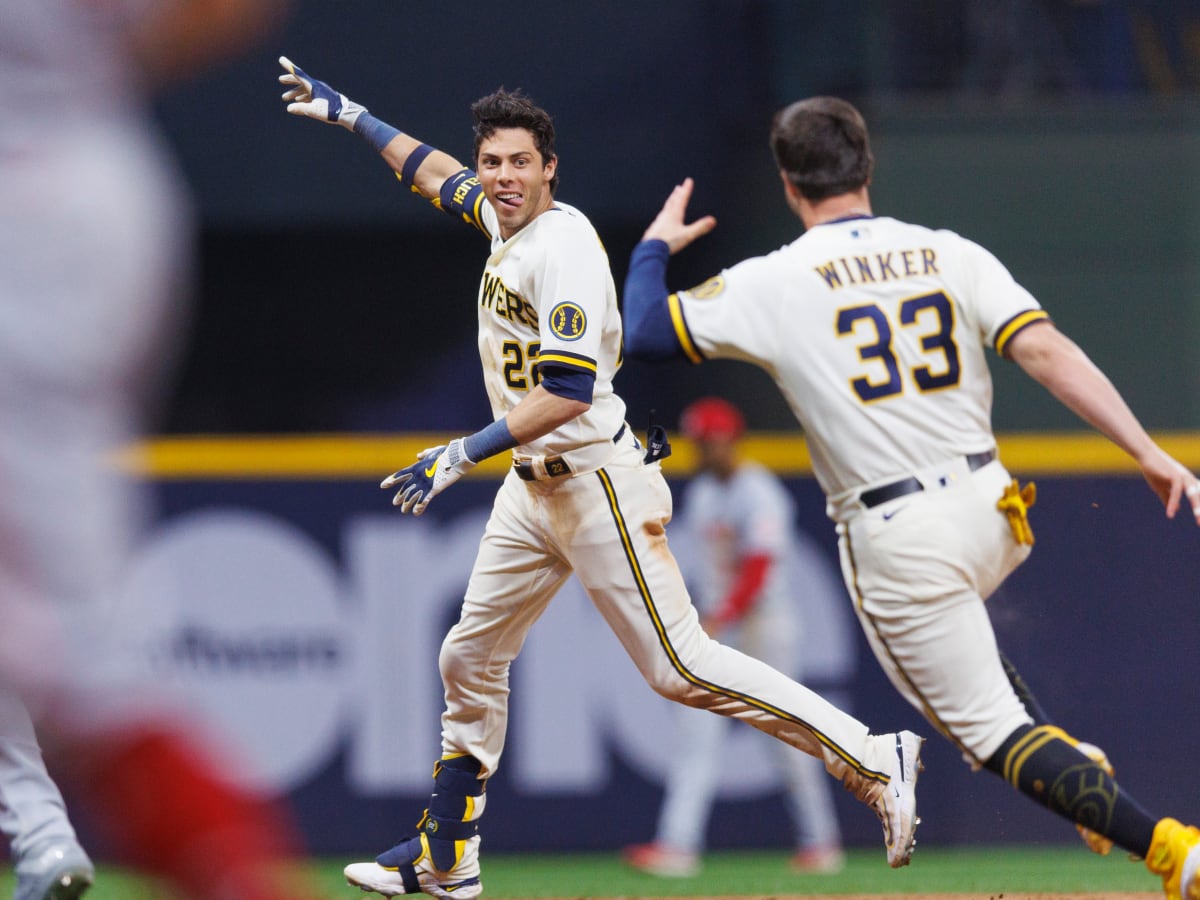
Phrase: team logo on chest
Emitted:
{"points": [[567, 321]]}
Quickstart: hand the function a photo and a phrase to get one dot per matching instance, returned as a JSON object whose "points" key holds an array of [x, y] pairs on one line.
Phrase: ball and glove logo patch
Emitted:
{"points": [[567, 321]]}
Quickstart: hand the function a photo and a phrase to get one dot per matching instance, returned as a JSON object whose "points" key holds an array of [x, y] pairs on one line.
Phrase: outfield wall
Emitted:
{"points": [[307, 616]]}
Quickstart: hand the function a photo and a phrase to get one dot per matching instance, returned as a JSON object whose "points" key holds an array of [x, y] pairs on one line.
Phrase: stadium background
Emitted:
{"points": [[1062, 136]]}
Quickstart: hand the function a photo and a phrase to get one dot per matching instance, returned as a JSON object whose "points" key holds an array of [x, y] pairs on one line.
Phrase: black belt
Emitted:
{"points": [[910, 485], [556, 466]]}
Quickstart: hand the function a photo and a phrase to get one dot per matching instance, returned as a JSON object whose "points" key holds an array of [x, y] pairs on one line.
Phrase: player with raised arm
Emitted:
{"points": [[875, 331], [582, 497]]}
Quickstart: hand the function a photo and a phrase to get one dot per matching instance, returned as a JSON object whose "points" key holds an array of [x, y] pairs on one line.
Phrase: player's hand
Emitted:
{"points": [[1172, 481], [317, 100], [669, 226], [435, 470]]}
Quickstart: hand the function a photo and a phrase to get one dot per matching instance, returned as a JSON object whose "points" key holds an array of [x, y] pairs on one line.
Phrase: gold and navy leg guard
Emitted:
{"points": [[402, 858], [450, 821], [454, 810]]}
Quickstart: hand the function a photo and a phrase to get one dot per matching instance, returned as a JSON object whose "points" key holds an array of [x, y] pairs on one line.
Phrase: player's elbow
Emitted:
{"points": [[651, 345], [572, 408], [637, 345]]}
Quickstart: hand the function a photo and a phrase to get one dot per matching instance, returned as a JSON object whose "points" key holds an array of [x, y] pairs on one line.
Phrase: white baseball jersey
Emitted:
{"points": [[63, 61], [874, 330], [547, 295]]}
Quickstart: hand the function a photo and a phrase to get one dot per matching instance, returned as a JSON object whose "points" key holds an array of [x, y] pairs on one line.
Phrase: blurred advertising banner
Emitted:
{"points": [[304, 615]]}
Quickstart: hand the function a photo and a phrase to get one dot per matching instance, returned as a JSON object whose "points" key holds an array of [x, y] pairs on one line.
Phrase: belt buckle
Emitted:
{"points": [[554, 466]]}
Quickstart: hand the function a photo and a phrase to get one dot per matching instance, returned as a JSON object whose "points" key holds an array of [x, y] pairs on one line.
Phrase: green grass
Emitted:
{"points": [[986, 872]]}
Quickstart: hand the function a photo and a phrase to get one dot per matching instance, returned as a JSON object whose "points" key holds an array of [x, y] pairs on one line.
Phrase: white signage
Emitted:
{"points": [[294, 655]]}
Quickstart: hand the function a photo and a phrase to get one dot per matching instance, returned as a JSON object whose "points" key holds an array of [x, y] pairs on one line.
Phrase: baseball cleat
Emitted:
{"points": [[395, 872], [56, 872], [896, 805], [1174, 856], [1096, 842], [659, 859]]}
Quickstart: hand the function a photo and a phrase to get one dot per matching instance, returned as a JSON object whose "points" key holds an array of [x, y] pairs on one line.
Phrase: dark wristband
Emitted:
{"points": [[374, 131], [409, 171]]}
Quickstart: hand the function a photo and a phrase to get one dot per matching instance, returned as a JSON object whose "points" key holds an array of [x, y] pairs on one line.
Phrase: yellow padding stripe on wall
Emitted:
{"points": [[371, 457]]}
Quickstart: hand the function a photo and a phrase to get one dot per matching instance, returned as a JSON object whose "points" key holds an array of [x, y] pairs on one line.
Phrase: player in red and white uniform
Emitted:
{"points": [[581, 498], [875, 330], [748, 566], [95, 231]]}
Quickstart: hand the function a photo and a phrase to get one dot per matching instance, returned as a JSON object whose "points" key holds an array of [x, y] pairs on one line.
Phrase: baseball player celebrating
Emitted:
{"points": [[579, 498], [741, 516], [875, 330]]}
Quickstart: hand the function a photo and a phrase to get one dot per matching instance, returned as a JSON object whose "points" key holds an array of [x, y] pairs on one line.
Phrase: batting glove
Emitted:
{"points": [[435, 470], [315, 99]]}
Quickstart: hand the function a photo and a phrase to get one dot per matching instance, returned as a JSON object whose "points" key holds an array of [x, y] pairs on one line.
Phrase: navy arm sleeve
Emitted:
{"points": [[649, 331], [572, 383]]}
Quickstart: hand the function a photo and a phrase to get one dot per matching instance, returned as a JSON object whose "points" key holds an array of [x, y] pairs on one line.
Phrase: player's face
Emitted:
{"points": [[515, 178], [718, 455]]}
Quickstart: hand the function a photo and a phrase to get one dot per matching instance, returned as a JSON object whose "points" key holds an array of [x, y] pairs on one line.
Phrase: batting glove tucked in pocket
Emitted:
{"points": [[435, 470]]}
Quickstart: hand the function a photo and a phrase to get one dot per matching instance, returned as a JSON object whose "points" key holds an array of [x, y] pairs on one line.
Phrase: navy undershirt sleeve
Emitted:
{"points": [[562, 381], [649, 332]]}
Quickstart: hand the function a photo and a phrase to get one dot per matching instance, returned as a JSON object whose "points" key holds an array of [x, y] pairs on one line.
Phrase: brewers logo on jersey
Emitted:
{"points": [[567, 321]]}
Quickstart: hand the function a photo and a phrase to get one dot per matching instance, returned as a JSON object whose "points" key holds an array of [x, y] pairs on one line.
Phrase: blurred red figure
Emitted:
{"points": [[95, 235]]}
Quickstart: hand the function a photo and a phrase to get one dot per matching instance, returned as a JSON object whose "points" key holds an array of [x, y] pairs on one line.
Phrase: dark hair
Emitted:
{"points": [[512, 109], [822, 145]]}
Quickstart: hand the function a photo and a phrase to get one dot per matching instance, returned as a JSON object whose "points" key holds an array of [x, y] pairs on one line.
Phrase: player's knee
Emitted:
{"points": [[675, 687], [452, 660]]}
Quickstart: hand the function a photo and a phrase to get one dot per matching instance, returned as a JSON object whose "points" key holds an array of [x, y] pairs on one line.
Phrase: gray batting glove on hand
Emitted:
{"points": [[435, 470], [315, 99]]}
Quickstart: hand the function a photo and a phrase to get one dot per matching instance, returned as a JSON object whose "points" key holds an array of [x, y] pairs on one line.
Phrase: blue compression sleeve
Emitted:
{"points": [[574, 384], [496, 438], [374, 131], [649, 332], [408, 172]]}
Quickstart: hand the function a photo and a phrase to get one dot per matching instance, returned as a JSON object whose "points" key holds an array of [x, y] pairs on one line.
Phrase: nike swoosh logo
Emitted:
{"points": [[888, 515], [429, 472]]}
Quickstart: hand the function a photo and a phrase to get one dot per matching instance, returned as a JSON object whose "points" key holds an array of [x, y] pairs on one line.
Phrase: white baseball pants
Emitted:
{"points": [[608, 527]]}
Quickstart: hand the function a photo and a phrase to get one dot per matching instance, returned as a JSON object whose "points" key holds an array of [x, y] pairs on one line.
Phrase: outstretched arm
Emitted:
{"points": [[425, 169], [650, 332], [1059, 365]]}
